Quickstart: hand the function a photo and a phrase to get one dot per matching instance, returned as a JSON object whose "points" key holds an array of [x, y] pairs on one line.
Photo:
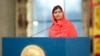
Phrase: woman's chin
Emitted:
{"points": [[58, 18]]}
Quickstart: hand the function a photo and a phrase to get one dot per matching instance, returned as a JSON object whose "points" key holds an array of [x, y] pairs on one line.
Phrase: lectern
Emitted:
{"points": [[50, 46]]}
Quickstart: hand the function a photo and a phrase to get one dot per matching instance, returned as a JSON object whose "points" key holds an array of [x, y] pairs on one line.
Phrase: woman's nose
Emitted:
{"points": [[57, 13]]}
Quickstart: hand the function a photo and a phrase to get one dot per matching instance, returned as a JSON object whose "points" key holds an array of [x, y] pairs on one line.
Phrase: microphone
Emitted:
{"points": [[40, 31]]}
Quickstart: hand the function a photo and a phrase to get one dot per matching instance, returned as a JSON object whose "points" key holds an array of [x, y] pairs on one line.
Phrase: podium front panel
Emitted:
{"points": [[50, 46]]}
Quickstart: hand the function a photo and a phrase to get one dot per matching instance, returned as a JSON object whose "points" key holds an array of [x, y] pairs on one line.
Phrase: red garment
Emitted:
{"points": [[64, 29]]}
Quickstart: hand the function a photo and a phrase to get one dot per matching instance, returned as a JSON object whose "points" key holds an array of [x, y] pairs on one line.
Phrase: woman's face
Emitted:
{"points": [[58, 14]]}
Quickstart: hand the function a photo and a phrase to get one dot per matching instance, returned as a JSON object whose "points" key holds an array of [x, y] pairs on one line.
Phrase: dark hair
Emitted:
{"points": [[56, 7]]}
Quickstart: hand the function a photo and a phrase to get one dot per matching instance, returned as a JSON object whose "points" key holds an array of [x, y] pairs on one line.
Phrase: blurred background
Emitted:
{"points": [[42, 15], [32, 18]]}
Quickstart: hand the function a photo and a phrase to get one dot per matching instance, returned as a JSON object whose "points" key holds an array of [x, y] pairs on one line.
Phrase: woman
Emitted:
{"points": [[61, 27]]}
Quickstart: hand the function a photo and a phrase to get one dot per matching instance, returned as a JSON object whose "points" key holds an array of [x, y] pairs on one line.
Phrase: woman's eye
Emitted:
{"points": [[59, 11], [55, 12]]}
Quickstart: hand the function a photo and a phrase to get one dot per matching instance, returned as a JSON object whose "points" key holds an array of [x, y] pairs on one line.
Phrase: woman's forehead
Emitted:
{"points": [[58, 9]]}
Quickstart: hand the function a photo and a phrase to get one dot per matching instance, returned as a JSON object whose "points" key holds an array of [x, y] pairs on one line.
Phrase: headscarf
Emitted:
{"points": [[64, 29]]}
